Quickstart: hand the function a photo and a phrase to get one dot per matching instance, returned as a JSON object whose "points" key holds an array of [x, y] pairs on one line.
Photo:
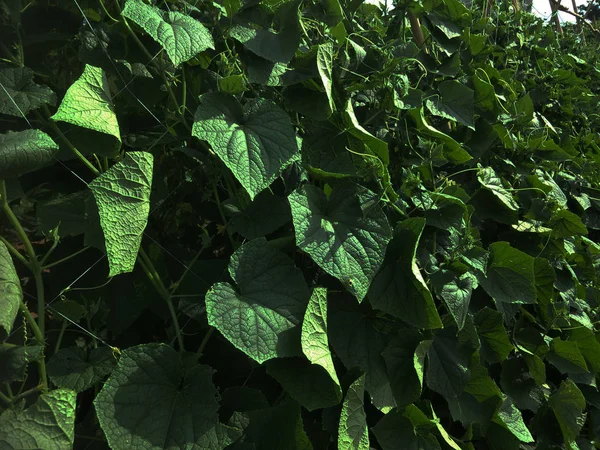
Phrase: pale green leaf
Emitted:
{"points": [[346, 235], [25, 151], [262, 316], [123, 197], [255, 142], [314, 340], [11, 294], [325, 68], [353, 433], [399, 288], [73, 368], [180, 35], [88, 104], [48, 424], [156, 399], [19, 94]]}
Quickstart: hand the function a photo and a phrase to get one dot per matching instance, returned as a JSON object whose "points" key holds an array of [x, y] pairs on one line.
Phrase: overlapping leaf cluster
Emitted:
{"points": [[356, 239]]}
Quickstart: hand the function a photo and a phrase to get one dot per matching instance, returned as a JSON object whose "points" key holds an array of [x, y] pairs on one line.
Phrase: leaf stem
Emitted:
{"points": [[66, 258], [222, 214], [5, 398], [209, 333], [64, 326], [14, 252], [155, 279]]}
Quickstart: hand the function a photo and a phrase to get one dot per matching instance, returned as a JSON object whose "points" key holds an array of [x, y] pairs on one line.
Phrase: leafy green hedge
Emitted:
{"points": [[287, 225]]}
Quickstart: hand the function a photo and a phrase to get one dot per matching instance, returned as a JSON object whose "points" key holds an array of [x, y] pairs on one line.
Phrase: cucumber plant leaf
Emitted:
{"points": [[325, 68], [256, 142], [25, 151], [11, 294], [262, 316], [353, 433], [122, 195], [49, 423], [178, 408], [14, 361], [395, 430], [182, 36], [76, 369], [455, 102], [20, 94], [448, 369], [345, 234]]}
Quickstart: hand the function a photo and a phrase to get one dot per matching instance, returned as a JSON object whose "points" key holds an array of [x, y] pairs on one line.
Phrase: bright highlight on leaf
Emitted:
{"points": [[346, 235], [262, 316], [123, 197], [256, 142], [353, 433], [181, 36], [25, 151], [11, 295]]}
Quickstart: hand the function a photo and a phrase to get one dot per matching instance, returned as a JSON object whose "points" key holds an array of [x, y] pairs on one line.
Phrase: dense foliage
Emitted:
{"points": [[295, 225]]}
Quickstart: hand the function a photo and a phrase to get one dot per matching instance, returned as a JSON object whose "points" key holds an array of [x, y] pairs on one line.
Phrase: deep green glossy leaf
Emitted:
{"points": [[48, 424], [157, 399], [264, 215], [255, 142], [88, 104], [122, 195], [345, 234], [180, 35], [25, 151], [455, 102], [395, 431], [262, 316], [566, 357], [399, 289], [73, 368], [353, 433], [510, 275], [20, 95], [11, 295]]}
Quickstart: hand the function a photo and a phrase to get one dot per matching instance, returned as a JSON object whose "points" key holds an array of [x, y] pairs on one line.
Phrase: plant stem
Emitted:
{"points": [[209, 333], [5, 398], [66, 258], [64, 326], [13, 251], [222, 214], [155, 279]]}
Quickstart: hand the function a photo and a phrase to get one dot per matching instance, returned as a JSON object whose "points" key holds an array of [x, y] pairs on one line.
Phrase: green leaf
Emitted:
{"points": [[325, 68], [510, 418], [255, 142], [448, 370], [14, 361], [67, 212], [261, 317], [314, 340], [88, 104], [495, 346], [455, 102], [177, 407], [492, 182], [73, 368], [346, 235], [353, 433], [264, 215], [354, 128], [566, 357], [396, 431], [19, 94], [568, 405], [122, 194], [181, 36], [48, 424], [455, 291], [565, 224], [25, 151], [399, 288], [510, 275], [11, 294]]}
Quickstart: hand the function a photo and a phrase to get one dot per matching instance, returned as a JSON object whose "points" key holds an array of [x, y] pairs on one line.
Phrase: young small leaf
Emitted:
{"points": [[123, 197]]}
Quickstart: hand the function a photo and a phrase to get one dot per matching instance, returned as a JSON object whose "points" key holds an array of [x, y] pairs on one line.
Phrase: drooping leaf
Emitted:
{"points": [[180, 35], [346, 235], [399, 289], [455, 102], [25, 151], [262, 316], [48, 424], [510, 275], [256, 142], [20, 95], [123, 197], [177, 408], [88, 104], [492, 182], [73, 368], [448, 370], [353, 433], [314, 339], [11, 294]]}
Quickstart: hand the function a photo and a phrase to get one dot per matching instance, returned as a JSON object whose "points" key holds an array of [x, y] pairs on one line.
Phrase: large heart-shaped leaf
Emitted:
{"points": [[11, 295], [123, 197], [256, 142], [180, 35], [346, 235], [48, 424], [262, 316], [176, 408], [25, 151], [19, 94], [455, 102]]}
